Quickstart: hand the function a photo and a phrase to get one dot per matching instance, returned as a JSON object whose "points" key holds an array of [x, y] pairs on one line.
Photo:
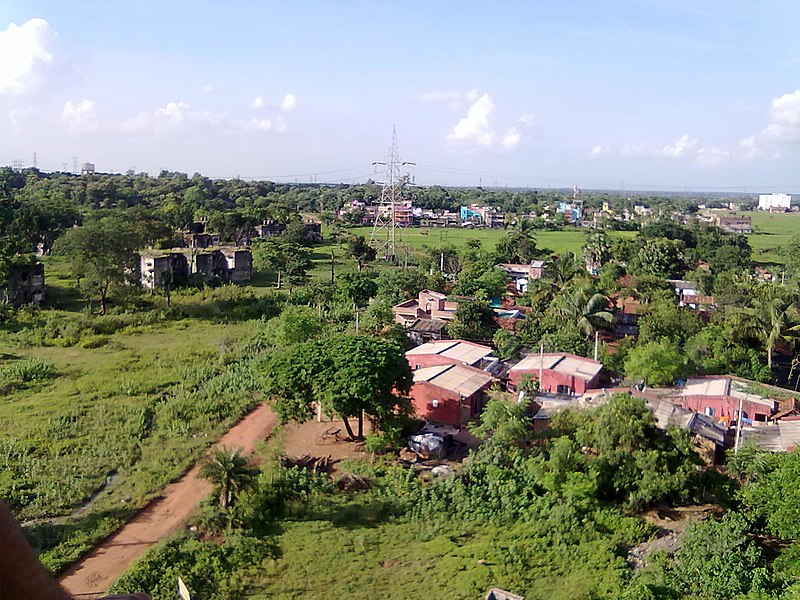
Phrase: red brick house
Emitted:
{"points": [[561, 373], [719, 397], [451, 352], [428, 305], [452, 394]]}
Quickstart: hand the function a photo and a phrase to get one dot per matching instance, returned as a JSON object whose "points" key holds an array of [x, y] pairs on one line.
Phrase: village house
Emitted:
{"points": [[558, 373], [25, 285], [708, 435], [521, 274], [452, 352], [453, 394], [154, 264], [427, 305], [735, 224], [721, 397], [224, 264]]}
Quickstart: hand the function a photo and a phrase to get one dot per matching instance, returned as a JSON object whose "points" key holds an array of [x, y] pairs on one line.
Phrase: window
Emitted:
{"points": [[435, 404], [564, 389], [709, 411]]}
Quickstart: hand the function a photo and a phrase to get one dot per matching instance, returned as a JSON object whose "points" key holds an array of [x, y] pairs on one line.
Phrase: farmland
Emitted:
{"points": [[771, 233]]}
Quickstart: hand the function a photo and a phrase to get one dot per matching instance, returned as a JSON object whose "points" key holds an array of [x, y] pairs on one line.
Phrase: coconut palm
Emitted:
{"points": [[774, 318], [228, 471], [596, 251], [581, 305]]}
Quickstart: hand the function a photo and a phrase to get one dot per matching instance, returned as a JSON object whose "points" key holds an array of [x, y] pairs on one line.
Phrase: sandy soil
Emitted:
{"points": [[300, 439], [92, 576]]}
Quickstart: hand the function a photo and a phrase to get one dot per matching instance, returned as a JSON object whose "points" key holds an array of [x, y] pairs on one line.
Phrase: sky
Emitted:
{"points": [[620, 95]]}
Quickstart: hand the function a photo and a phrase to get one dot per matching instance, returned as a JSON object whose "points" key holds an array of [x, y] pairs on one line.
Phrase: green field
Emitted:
{"points": [[417, 238], [772, 231]]}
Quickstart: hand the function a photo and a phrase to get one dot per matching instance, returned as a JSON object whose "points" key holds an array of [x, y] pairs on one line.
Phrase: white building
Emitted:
{"points": [[774, 201]]}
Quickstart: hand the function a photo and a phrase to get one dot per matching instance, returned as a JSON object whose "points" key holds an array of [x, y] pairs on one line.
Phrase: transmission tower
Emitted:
{"points": [[383, 230]]}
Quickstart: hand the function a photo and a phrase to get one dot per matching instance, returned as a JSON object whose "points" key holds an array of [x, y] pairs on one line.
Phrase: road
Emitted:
{"points": [[95, 573]]}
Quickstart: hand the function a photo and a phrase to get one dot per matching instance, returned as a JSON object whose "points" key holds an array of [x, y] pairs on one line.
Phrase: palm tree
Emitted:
{"points": [[774, 318], [582, 306], [560, 269], [227, 469], [596, 251]]}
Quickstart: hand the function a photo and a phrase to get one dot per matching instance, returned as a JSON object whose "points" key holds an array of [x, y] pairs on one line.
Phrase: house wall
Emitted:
{"points": [[450, 409], [552, 379], [726, 407]]}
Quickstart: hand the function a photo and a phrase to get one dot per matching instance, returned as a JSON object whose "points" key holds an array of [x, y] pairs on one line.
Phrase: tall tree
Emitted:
{"points": [[473, 321], [288, 261], [102, 253], [579, 304], [596, 251], [359, 249], [348, 375]]}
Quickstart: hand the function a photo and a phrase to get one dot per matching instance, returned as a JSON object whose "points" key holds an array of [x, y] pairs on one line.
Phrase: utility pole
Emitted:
{"points": [[385, 213], [332, 266], [596, 343], [738, 428]]}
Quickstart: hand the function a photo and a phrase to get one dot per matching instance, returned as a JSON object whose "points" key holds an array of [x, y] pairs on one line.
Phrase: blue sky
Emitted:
{"points": [[649, 94]]}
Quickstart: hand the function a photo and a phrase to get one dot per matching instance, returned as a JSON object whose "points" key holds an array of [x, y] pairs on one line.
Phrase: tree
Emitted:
{"points": [[661, 257], [474, 320], [580, 305], [773, 320], [347, 374], [596, 251], [666, 320], [657, 363], [102, 253], [285, 259], [359, 249], [507, 343], [358, 288], [518, 246], [229, 472], [791, 256]]}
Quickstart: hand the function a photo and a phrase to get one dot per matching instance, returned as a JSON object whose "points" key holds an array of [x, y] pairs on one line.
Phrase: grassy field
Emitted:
{"points": [[111, 409], [772, 231]]}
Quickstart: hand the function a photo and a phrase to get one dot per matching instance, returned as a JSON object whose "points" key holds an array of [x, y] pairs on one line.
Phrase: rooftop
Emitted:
{"points": [[723, 386], [461, 379], [466, 352], [569, 364]]}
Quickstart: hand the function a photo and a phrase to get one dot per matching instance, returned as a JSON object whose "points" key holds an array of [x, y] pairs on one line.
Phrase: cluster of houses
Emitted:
{"points": [[203, 257], [452, 379]]}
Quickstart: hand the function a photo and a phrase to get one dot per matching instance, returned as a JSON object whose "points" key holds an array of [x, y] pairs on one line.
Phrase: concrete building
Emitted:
{"points": [[427, 305], [558, 373], [154, 264], [240, 263], [776, 202], [521, 274], [25, 285], [734, 224], [452, 393]]}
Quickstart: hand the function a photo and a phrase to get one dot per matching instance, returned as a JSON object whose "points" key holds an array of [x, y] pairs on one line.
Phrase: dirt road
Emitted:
{"points": [[92, 576]]}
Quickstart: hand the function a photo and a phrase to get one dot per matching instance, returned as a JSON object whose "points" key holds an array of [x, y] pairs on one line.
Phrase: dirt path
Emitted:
{"points": [[92, 576]]}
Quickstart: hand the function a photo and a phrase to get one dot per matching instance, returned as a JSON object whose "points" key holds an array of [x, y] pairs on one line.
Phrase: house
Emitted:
{"points": [[25, 285], [558, 373], [427, 330], [627, 311], [780, 436], [734, 224], [708, 435], [210, 265], [450, 393], [155, 264], [720, 398], [427, 305], [201, 240], [269, 229], [521, 274], [240, 263], [452, 352]]}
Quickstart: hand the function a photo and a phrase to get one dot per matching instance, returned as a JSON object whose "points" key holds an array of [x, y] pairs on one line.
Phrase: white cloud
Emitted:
{"points": [[258, 102], [258, 124], [528, 119], [289, 102], [207, 88], [26, 55], [80, 116], [598, 150], [711, 157], [171, 116], [19, 116], [782, 130], [679, 147], [511, 138], [473, 95], [474, 127]]}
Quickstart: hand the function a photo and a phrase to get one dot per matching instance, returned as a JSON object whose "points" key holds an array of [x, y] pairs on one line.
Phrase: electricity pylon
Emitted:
{"points": [[383, 229]]}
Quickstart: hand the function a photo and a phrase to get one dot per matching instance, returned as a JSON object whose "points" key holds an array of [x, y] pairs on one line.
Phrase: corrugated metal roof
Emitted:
{"points": [[568, 364], [454, 349], [459, 379], [723, 386]]}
